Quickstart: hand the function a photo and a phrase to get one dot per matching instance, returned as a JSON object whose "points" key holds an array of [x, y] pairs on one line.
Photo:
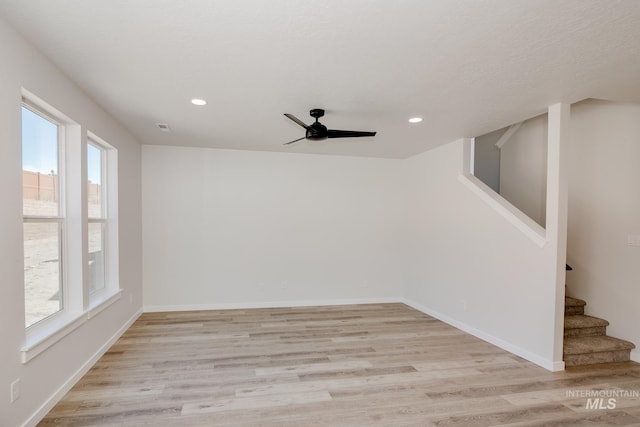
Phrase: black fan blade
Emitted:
{"points": [[297, 120], [333, 133], [295, 140]]}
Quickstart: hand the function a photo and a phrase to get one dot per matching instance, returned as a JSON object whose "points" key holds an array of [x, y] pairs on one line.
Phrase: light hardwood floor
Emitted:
{"points": [[364, 365]]}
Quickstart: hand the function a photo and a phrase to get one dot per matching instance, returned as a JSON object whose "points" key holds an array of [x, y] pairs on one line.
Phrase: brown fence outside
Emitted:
{"points": [[39, 186], [93, 192]]}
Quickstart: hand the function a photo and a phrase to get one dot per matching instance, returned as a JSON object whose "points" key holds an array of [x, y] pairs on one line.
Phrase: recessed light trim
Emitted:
{"points": [[415, 119], [199, 102]]}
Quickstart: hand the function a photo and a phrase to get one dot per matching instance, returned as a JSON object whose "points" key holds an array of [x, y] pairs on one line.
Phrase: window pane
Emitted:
{"points": [[40, 181], [42, 273], [94, 186], [96, 256]]}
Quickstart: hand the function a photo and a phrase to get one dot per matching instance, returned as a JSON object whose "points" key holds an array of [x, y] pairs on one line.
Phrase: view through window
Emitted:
{"points": [[96, 159], [43, 216]]}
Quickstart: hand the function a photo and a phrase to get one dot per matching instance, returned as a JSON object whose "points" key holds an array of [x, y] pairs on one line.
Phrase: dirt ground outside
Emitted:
{"points": [[42, 266]]}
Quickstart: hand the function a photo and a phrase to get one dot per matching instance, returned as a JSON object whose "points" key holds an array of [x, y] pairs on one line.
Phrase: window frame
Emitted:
{"points": [[78, 306], [60, 219], [103, 220], [111, 292]]}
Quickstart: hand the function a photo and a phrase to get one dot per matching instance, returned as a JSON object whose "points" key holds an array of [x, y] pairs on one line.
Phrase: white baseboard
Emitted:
{"points": [[550, 365], [269, 304], [38, 415]]}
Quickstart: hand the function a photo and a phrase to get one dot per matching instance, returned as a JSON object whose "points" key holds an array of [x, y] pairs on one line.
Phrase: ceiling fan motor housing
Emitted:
{"points": [[316, 131]]}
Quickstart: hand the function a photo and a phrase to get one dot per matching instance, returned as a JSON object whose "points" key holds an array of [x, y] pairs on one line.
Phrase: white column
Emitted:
{"points": [[556, 221]]}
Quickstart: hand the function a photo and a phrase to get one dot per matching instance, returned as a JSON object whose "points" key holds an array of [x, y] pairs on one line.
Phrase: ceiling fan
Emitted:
{"points": [[317, 131]]}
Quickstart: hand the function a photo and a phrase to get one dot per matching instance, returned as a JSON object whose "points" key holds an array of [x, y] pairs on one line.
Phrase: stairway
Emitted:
{"points": [[585, 338]]}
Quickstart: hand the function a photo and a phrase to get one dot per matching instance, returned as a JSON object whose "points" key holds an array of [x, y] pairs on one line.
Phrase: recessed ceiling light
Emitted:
{"points": [[415, 119], [198, 102]]}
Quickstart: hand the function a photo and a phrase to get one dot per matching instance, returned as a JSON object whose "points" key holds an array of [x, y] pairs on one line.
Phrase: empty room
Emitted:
{"points": [[319, 213]]}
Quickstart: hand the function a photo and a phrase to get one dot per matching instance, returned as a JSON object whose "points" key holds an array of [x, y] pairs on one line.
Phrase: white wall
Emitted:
{"points": [[472, 268], [523, 169], [42, 377], [225, 228], [604, 208]]}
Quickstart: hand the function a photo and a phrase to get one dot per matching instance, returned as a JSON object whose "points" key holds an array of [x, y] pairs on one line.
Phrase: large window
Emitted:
{"points": [[43, 213], [69, 183]]}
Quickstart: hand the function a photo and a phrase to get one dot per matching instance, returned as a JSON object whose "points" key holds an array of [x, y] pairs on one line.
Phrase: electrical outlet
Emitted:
{"points": [[15, 390]]}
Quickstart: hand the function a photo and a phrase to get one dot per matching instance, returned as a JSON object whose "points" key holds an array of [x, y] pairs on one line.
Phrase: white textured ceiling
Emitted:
{"points": [[467, 67]]}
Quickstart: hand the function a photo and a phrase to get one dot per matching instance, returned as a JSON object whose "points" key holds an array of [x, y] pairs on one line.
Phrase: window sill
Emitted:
{"points": [[40, 340], [54, 330]]}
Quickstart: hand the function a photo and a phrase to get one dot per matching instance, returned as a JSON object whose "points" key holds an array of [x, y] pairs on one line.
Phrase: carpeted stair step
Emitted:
{"points": [[580, 325], [573, 306], [596, 349]]}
